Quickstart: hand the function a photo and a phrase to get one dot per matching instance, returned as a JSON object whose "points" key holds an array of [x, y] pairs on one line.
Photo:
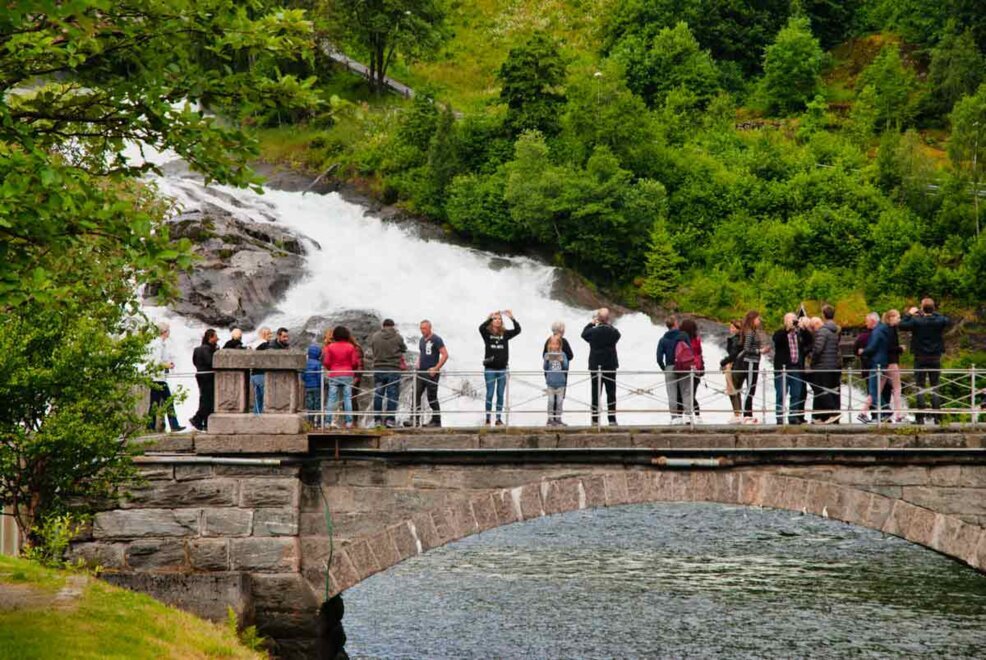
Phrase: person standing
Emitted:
{"points": [[162, 359], [341, 362], [556, 378], [206, 379], [878, 352], [665, 360], [235, 340], [927, 328], [603, 361], [727, 364], [751, 335], [432, 356], [312, 379], [257, 377], [388, 350], [791, 347], [693, 378], [892, 319], [826, 369], [496, 358], [558, 328]]}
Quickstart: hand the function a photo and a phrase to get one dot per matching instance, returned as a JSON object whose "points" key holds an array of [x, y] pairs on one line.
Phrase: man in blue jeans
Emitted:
{"points": [[388, 350], [791, 346], [878, 352], [257, 377]]}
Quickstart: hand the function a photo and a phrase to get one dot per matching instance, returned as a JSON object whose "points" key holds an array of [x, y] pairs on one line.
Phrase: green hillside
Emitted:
{"points": [[707, 156]]}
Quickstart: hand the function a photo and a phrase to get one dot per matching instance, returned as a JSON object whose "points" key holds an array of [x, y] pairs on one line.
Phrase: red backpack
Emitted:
{"points": [[684, 356]]}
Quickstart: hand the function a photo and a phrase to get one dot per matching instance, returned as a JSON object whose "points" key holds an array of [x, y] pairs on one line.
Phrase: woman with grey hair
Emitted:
{"points": [[558, 328]]}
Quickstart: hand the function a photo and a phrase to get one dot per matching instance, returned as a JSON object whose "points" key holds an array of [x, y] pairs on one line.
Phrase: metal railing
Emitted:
{"points": [[645, 398]]}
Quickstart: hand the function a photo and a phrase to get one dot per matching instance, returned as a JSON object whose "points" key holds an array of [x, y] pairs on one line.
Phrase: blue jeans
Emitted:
{"points": [[496, 379], [344, 383], [386, 391], [257, 380], [796, 390], [313, 404], [875, 384]]}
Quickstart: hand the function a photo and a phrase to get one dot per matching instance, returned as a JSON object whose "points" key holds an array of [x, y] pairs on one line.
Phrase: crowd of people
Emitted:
{"points": [[805, 353]]}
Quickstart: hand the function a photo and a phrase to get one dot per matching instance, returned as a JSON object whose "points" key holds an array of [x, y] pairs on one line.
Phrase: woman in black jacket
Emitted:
{"points": [[206, 379], [496, 358]]}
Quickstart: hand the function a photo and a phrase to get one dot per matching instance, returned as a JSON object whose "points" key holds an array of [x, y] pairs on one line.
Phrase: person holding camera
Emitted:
{"points": [[603, 362], [496, 358], [927, 328]]}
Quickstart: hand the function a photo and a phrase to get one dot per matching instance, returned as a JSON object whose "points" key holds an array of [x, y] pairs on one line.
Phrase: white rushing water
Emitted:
{"points": [[366, 263]]}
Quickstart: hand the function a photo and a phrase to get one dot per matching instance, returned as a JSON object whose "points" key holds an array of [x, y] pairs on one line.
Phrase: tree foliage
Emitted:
{"points": [[382, 29], [81, 83], [792, 67], [957, 69], [531, 85]]}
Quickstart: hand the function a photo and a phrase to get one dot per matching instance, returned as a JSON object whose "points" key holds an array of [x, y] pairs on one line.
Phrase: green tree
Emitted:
{"points": [[81, 80], [531, 80], [672, 60], [662, 273], [792, 67], [893, 86], [79, 233], [382, 29], [957, 69], [967, 146]]}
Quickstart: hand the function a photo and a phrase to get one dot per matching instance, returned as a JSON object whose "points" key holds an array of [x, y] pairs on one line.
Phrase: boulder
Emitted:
{"points": [[244, 270]]}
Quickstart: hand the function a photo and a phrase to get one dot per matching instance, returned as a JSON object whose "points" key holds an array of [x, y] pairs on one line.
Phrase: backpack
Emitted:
{"points": [[684, 356]]}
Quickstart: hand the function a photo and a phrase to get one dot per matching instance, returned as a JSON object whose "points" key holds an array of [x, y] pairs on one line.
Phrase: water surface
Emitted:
{"points": [[672, 580]]}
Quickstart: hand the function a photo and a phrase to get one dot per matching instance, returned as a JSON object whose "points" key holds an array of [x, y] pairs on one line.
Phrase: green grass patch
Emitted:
{"points": [[105, 622]]}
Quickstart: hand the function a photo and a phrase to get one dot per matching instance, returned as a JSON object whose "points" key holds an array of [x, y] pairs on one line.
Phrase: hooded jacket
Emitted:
{"points": [[313, 368], [665, 347], [388, 347]]}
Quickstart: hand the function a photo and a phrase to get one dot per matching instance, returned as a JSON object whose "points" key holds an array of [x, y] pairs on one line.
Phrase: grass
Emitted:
{"points": [[105, 622]]}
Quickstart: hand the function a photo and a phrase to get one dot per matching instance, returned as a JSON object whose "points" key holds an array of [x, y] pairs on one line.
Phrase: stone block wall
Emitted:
{"points": [[207, 537]]}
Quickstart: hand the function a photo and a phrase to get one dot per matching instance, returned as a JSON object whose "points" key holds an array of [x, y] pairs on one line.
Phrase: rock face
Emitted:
{"points": [[361, 323], [245, 268]]}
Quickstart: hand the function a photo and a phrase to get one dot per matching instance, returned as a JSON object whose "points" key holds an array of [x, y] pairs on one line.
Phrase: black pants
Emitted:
{"points": [[748, 375], [160, 394], [928, 370], [207, 400], [424, 382], [609, 383], [827, 397]]}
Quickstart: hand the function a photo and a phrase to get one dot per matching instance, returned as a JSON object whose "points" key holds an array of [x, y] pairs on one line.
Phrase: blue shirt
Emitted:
{"points": [[429, 351]]}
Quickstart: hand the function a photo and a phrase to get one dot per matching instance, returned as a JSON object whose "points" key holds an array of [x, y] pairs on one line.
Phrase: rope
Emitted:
{"points": [[329, 530]]}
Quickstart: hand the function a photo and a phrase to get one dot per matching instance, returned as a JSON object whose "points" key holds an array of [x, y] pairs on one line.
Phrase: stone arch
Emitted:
{"points": [[366, 555]]}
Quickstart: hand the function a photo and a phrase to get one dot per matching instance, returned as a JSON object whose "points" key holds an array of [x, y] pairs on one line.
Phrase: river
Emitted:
{"points": [[672, 580]]}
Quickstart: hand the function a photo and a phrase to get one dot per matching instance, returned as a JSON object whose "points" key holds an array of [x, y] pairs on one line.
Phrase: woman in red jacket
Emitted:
{"points": [[341, 361], [689, 327]]}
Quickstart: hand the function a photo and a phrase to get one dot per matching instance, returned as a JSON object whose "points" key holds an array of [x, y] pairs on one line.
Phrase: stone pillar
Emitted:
{"points": [[282, 400]]}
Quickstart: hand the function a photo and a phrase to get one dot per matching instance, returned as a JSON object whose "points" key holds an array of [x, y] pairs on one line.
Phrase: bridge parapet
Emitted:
{"points": [[283, 397]]}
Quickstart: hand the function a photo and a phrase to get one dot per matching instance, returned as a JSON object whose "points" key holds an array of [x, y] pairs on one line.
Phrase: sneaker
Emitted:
{"points": [[560, 423], [499, 422], [333, 425], [434, 424], [349, 425], [737, 419], [178, 429], [389, 424], [864, 418], [408, 423]]}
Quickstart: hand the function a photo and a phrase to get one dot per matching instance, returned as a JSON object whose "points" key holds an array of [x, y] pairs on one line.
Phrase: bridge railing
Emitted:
{"points": [[644, 398], [647, 398]]}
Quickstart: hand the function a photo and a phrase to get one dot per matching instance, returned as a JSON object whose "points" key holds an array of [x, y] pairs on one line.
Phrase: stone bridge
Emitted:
{"points": [[237, 519]]}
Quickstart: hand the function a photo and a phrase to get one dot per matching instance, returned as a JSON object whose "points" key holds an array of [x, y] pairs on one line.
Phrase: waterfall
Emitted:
{"points": [[366, 263]]}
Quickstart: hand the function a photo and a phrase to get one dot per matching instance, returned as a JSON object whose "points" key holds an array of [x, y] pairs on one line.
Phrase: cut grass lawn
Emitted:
{"points": [[103, 622]]}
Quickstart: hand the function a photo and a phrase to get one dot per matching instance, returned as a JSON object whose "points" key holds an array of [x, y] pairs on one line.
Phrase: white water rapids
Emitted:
{"points": [[368, 264]]}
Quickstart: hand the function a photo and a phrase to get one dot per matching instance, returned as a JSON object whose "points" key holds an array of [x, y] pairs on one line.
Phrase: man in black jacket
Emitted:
{"points": [[927, 328], [791, 346], [603, 362]]}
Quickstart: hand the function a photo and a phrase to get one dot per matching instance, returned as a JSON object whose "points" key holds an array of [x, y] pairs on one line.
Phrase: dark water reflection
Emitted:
{"points": [[672, 580]]}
